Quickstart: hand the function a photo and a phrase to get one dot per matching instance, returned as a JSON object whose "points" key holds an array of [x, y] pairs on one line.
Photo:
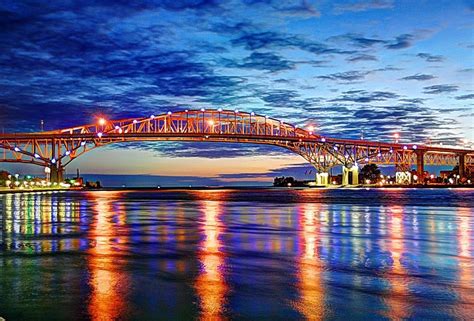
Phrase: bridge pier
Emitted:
{"points": [[420, 169], [57, 174], [322, 179], [350, 176], [462, 165]]}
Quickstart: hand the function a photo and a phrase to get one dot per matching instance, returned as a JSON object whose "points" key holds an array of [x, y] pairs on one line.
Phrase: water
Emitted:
{"points": [[238, 254]]}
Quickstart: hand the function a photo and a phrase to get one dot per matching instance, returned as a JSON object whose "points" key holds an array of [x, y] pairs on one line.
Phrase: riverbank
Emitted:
{"points": [[9, 191]]}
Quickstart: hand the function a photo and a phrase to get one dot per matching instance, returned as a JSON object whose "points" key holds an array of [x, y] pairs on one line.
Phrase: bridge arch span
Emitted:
{"points": [[56, 149]]}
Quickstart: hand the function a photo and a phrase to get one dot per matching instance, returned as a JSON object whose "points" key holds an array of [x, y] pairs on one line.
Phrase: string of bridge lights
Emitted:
{"points": [[310, 130]]}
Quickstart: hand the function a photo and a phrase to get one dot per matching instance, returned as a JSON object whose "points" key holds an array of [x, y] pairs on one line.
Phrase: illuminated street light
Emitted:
{"points": [[16, 149], [102, 121], [311, 128], [210, 122], [99, 135]]}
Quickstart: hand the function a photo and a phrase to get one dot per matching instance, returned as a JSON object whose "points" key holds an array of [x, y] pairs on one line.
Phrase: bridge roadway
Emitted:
{"points": [[56, 149]]}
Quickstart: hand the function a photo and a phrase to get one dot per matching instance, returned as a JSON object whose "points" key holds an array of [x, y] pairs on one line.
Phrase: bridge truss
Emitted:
{"points": [[56, 149]]}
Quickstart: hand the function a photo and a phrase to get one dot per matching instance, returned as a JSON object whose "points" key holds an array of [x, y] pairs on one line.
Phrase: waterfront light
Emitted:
{"points": [[169, 113], [210, 122], [236, 111], [405, 148], [99, 135], [37, 156], [53, 161], [415, 147], [219, 110], [252, 114], [311, 128], [202, 109], [323, 139], [16, 149], [67, 153], [152, 116], [135, 121], [102, 121], [83, 143]]}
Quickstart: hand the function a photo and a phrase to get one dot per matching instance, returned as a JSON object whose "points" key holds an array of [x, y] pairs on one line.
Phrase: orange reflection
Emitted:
{"points": [[210, 284], [466, 266], [107, 280], [310, 281], [398, 309]]}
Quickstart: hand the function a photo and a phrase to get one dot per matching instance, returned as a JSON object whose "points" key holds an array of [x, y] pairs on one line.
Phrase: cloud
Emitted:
{"points": [[346, 76], [429, 57], [465, 97], [272, 40], [440, 89], [419, 77], [301, 8], [401, 42], [362, 57], [364, 5], [362, 96], [357, 40], [263, 61]]}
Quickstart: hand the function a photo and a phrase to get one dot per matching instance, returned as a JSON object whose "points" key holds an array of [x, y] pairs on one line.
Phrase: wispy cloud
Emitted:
{"points": [[364, 5], [465, 97], [346, 76], [419, 77], [440, 89], [362, 96], [429, 57]]}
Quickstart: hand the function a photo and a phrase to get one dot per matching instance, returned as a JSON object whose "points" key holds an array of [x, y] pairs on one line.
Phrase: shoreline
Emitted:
{"points": [[13, 191]]}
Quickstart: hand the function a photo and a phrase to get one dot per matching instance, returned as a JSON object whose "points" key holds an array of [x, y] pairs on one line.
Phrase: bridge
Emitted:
{"points": [[56, 149]]}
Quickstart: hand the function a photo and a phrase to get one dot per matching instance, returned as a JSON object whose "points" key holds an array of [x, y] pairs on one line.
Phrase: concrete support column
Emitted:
{"points": [[355, 175], [462, 165], [322, 179], [57, 174], [420, 168], [350, 176]]}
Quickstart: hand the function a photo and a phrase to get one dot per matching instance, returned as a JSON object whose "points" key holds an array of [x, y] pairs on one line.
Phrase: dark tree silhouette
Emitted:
{"points": [[370, 172]]}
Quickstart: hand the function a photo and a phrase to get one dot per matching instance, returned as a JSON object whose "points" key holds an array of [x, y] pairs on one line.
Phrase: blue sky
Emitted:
{"points": [[348, 67]]}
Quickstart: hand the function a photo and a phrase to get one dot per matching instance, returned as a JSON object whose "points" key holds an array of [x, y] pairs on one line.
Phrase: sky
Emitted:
{"points": [[350, 68]]}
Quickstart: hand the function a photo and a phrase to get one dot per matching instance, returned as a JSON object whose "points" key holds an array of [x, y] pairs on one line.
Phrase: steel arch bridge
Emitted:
{"points": [[56, 149]]}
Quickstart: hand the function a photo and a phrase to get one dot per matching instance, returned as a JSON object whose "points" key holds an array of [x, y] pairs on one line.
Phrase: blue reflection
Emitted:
{"points": [[238, 254]]}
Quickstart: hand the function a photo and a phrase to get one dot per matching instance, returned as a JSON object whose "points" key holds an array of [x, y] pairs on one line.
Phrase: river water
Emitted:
{"points": [[251, 254]]}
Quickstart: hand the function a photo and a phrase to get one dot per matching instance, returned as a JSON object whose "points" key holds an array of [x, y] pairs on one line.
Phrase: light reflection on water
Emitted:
{"points": [[238, 254]]}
